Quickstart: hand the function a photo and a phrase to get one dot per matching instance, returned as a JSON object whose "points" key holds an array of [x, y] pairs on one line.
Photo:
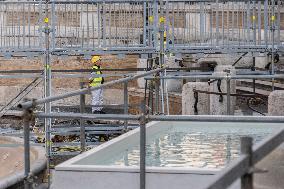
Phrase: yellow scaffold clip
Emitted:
{"points": [[48, 143], [273, 18], [46, 20], [151, 19], [47, 67], [162, 19]]}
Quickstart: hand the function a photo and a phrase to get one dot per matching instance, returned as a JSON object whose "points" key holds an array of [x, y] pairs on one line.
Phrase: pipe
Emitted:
{"points": [[87, 116], [26, 150], [246, 149], [84, 91], [276, 76], [228, 96], [142, 147], [82, 123], [217, 118], [125, 98]]}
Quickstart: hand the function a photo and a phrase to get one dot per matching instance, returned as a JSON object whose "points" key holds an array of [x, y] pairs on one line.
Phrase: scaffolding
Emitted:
{"points": [[152, 29]]}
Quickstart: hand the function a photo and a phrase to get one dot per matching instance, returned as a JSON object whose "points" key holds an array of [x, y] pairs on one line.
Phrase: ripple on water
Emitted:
{"points": [[179, 147]]}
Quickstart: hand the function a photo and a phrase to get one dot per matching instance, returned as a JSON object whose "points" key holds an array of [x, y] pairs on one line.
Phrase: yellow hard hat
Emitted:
{"points": [[95, 59]]}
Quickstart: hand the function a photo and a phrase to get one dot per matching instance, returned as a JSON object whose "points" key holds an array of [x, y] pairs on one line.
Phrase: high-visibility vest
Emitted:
{"points": [[97, 80]]}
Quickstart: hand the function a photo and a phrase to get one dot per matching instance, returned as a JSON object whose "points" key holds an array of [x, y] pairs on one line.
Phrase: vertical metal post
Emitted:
{"points": [[143, 146], [47, 71], [150, 100], [253, 69], [151, 87], [246, 148], [273, 19], [157, 96], [145, 23], [228, 95], [82, 122], [167, 95], [125, 93], [27, 148], [162, 53], [156, 22]]}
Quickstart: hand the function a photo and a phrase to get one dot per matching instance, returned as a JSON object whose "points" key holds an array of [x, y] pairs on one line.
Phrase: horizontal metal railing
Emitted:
{"points": [[115, 26], [238, 168], [243, 167]]}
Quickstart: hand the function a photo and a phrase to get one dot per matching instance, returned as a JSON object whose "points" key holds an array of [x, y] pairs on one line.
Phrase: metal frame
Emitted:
{"points": [[237, 167], [89, 27], [158, 18]]}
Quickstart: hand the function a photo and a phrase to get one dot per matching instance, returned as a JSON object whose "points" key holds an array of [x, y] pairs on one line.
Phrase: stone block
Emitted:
{"points": [[188, 99], [225, 59], [276, 103], [141, 63], [218, 106], [173, 85]]}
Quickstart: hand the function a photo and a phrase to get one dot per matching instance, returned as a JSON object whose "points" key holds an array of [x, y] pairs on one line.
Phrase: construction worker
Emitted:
{"points": [[97, 95]]}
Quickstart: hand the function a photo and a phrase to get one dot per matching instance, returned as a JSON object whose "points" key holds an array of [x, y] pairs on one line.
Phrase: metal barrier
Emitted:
{"points": [[222, 26], [266, 147], [62, 28], [243, 167], [21, 28], [125, 27], [98, 25]]}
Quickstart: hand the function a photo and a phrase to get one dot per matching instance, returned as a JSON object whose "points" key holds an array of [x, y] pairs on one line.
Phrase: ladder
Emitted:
{"points": [[20, 96]]}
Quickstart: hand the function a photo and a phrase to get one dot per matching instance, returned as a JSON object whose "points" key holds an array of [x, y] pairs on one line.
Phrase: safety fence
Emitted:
{"points": [[30, 28], [223, 25], [241, 167], [62, 28]]}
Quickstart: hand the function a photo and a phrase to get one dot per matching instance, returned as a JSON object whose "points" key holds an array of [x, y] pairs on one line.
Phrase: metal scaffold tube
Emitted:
{"points": [[275, 76], [216, 118], [162, 52], [273, 20], [82, 122], [125, 98], [255, 28], [57, 28], [26, 120], [142, 120], [47, 78], [29, 104]]}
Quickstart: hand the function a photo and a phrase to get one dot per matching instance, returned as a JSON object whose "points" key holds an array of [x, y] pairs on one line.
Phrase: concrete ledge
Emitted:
{"points": [[38, 165]]}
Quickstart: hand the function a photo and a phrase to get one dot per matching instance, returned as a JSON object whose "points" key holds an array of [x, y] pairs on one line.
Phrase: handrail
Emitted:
{"points": [[238, 168], [241, 166], [262, 76], [217, 118], [30, 104]]}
